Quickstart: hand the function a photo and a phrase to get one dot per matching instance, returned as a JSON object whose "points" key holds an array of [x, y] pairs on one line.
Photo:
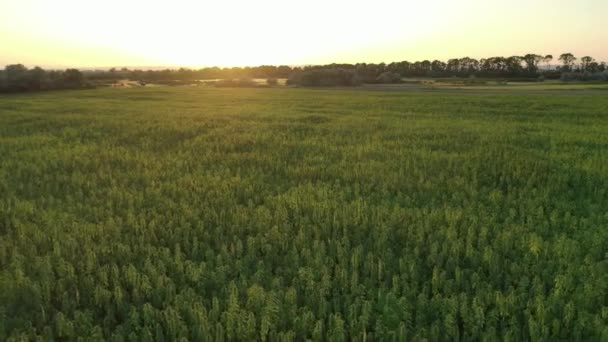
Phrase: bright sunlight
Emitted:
{"points": [[236, 32]]}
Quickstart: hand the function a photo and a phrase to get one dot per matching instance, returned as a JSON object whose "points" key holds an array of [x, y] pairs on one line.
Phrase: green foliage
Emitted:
{"points": [[325, 78], [584, 76], [388, 77], [261, 214], [17, 78]]}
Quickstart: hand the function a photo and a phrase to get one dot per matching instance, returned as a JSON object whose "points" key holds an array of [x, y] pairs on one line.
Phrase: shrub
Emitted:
{"points": [[584, 76], [552, 74], [18, 78], [272, 81], [324, 78], [388, 77]]}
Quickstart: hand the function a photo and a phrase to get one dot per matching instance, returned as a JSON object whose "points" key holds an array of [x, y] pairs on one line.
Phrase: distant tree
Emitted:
{"points": [[283, 71], [402, 67], [73, 78], [586, 63], [483, 64], [426, 67], [547, 59], [16, 77], [594, 67], [453, 65], [438, 66], [514, 65], [468, 65], [498, 66], [364, 71], [37, 79], [567, 60], [532, 61]]}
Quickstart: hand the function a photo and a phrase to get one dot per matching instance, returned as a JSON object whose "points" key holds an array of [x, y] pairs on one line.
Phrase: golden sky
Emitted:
{"points": [[92, 33]]}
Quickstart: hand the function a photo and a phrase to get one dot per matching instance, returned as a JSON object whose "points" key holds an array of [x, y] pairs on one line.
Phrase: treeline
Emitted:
{"points": [[184, 74], [18, 78], [528, 66]]}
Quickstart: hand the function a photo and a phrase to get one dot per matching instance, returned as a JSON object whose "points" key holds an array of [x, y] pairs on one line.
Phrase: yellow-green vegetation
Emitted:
{"points": [[293, 214]]}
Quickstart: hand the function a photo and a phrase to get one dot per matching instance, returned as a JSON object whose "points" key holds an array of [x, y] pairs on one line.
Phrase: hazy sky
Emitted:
{"points": [[251, 32]]}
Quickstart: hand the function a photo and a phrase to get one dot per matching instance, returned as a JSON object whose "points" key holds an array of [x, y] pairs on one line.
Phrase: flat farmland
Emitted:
{"points": [[194, 213]]}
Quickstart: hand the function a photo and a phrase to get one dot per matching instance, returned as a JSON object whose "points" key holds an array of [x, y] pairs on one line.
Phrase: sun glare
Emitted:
{"points": [[237, 33], [216, 33]]}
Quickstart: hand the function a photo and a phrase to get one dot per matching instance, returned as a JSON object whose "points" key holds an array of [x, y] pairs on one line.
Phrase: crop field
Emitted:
{"points": [[185, 213], [538, 88]]}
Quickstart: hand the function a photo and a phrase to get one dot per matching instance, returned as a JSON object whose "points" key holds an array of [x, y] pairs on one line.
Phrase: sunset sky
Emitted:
{"points": [[244, 32]]}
